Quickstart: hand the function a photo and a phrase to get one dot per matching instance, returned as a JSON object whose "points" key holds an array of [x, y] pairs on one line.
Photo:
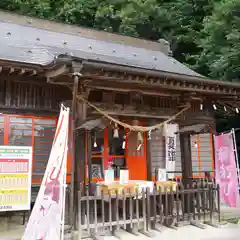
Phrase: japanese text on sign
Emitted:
{"points": [[171, 149]]}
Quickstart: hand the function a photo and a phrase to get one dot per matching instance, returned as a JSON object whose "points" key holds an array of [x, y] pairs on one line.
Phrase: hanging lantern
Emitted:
{"points": [[237, 110], [214, 107], [115, 131], [225, 109], [201, 106], [195, 144]]}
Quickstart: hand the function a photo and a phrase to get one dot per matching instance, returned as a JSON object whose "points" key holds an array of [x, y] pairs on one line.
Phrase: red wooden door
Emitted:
{"points": [[136, 157]]}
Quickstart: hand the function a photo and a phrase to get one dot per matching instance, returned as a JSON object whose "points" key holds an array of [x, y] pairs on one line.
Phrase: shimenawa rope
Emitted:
{"points": [[130, 127]]}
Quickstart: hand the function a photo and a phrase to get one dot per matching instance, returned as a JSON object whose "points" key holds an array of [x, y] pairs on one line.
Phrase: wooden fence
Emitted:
{"points": [[142, 210]]}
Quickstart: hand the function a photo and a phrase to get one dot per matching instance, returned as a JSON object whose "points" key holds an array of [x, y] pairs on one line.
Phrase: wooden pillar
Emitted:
{"points": [[185, 145], [73, 153], [149, 159], [89, 157], [186, 158], [79, 172]]}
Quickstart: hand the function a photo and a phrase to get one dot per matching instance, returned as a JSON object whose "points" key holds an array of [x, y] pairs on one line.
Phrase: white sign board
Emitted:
{"points": [[15, 178], [47, 218], [170, 147]]}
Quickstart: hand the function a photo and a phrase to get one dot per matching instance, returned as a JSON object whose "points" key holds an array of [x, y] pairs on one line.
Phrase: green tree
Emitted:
{"points": [[178, 21], [187, 16], [220, 42]]}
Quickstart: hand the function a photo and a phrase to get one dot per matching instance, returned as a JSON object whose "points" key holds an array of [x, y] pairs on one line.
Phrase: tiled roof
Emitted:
{"points": [[39, 46]]}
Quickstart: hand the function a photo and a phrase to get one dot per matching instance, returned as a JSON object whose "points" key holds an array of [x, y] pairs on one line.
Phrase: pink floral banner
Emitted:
{"points": [[46, 221], [226, 170]]}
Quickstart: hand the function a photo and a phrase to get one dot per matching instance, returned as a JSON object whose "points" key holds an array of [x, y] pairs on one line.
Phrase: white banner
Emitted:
{"points": [[15, 178], [170, 147], [47, 218]]}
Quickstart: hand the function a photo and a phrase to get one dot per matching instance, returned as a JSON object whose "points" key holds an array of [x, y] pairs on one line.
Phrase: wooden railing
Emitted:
{"points": [[142, 210]]}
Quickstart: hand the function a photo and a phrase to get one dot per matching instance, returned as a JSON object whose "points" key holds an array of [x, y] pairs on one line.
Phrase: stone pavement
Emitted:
{"points": [[14, 231], [228, 213], [227, 232]]}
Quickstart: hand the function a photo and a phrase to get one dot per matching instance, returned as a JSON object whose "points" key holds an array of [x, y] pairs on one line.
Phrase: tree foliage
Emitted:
{"points": [[220, 42], [203, 33]]}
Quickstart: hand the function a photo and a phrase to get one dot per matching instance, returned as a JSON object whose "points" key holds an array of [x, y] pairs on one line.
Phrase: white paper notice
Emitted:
{"points": [[109, 176], [124, 176], [162, 175]]}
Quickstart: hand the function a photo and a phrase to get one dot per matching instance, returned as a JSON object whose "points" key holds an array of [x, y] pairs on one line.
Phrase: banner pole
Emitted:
{"points": [[64, 208], [236, 155]]}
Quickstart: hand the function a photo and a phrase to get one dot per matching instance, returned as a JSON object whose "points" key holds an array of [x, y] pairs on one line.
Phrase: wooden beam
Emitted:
{"points": [[17, 65], [56, 72], [179, 79], [33, 80], [133, 114], [122, 82], [160, 82], [123, 89], [193, 128]]}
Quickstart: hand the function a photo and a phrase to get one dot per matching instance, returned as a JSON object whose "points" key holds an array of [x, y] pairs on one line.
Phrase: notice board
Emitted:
{"points": [[15, 178]]}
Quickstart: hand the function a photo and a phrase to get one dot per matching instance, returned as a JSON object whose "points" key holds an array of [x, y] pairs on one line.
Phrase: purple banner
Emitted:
{"points": [[226, 170]]}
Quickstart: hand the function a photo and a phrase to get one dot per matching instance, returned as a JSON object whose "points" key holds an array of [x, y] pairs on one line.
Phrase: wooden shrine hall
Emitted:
{"points": [[123, 93]]}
